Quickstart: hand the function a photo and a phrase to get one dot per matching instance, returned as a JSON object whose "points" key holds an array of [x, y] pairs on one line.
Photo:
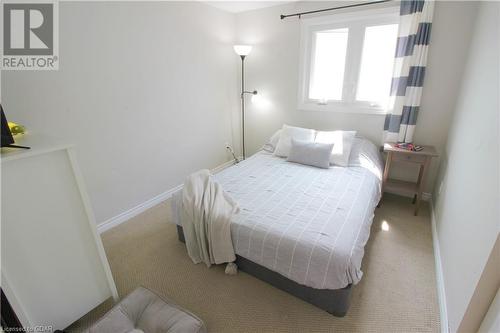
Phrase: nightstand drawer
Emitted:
{"points": [[412, 158]]}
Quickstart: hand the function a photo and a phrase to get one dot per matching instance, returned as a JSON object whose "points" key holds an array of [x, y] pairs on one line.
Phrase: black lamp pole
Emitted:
{"points": [[243, 92]]}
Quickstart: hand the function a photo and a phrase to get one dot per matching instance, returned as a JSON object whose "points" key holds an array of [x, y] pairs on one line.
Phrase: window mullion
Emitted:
{"points": [[354, 50], [311, 52]]}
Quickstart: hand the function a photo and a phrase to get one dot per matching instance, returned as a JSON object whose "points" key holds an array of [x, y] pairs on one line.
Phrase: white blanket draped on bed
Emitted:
{"points": [[206, 219]]}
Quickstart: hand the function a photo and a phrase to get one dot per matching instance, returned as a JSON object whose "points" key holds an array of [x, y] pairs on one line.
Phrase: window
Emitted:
{"points": [[377, 61], [347, 61], [327, 76]]}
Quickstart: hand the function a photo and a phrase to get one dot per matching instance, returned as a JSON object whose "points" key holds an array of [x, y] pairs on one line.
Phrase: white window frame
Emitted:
{"points": [[355, 21]]}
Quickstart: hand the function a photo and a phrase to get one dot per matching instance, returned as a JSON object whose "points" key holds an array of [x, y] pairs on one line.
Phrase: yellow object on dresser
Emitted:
{"points": [[16, 128]]}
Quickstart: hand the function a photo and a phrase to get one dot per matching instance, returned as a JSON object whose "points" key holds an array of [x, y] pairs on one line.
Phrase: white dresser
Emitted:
{"points": [[53, 265]]}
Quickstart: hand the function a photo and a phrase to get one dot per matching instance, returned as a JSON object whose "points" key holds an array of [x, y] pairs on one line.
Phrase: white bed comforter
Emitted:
{"points": [[308, 224]]}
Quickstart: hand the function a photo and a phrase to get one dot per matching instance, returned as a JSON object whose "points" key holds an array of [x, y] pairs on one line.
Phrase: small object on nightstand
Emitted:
{"points": [[420, 155]]}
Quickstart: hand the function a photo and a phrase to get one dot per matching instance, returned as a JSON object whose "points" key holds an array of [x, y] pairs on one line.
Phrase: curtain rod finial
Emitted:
{"points": [[282, 17]]}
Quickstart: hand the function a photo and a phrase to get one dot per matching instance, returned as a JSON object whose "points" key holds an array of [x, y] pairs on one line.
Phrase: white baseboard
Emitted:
{"points": [[132, 212], [443, 312], [128, 214]]}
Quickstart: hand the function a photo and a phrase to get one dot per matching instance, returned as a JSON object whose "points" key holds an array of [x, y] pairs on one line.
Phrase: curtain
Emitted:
{"points": [[409, 69]]}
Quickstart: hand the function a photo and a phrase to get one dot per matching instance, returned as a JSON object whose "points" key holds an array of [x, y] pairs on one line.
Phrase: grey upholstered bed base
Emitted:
{"points": [[335, 301]]}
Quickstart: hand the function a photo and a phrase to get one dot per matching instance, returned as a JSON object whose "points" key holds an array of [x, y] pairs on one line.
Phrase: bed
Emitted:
{"points": [[300, 228]]}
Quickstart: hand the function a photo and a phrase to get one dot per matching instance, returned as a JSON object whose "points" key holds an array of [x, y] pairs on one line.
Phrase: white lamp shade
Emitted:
{"points": [[242, 50]]}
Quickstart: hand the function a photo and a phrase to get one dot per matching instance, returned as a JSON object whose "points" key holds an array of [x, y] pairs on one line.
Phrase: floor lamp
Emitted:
{"points": [[243, 51]]}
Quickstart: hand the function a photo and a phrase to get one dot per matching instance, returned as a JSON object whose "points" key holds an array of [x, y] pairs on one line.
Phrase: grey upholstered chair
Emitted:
{"points": [[144, 311]]}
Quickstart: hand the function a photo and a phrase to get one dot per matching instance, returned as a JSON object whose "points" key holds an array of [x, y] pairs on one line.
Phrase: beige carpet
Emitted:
{"points": [[397, 292]]}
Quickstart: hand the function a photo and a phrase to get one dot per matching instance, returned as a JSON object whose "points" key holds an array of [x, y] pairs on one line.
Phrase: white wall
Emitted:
{"points": [[467, 207], [146, 90], [272, 69]]}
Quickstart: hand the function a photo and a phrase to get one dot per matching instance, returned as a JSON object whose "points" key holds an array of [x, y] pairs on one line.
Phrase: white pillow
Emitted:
{"points": [[310, 153], [342, 144], [270, 145], [366, 155], [289, 132]]}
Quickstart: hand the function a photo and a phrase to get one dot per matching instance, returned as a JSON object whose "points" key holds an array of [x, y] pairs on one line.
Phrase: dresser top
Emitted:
{"points": [[39, 144], [427, 151]]}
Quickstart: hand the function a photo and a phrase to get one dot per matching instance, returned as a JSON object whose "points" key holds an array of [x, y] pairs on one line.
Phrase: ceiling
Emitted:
{"points": [[242, 6]]}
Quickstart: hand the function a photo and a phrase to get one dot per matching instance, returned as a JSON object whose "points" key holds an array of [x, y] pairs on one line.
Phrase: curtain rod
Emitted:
{"points": [[333, 8]]}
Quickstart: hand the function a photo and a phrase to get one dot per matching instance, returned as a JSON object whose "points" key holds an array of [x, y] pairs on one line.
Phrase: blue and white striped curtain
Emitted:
{"points": [[409, 69]]}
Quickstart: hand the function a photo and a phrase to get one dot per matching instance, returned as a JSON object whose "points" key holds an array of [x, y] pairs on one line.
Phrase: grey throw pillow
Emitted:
{"points": [[310, 153]]}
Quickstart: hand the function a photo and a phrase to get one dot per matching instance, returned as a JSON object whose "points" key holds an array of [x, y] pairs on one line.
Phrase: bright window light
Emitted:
{"points": [[328, 64], [377, 64], [347, 61]]}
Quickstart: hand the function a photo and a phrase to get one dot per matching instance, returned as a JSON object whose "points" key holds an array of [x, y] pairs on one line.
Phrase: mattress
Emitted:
{"points": [[305, 223]]}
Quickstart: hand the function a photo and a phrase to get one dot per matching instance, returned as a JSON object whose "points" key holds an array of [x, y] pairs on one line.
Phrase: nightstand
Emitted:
{"points": [[421, 158]]}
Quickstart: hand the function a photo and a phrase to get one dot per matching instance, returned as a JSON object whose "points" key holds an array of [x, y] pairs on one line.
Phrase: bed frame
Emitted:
{"points": [[335, 301]]}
